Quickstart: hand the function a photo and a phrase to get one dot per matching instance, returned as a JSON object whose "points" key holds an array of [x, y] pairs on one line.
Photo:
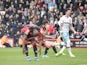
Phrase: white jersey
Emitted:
{"points": [[64, 23]]}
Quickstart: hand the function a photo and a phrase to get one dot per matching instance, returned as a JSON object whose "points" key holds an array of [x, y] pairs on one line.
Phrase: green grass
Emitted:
{"points": [[14, 56]]}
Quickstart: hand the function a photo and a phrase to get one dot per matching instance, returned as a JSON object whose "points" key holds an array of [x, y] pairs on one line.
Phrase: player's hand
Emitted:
{"points": [[76, 33], [81, 34]]}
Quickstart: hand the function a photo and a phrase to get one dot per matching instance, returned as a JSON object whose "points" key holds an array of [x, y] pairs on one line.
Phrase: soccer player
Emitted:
{"points": [[65, 24], [30, 34], [48, 30]]}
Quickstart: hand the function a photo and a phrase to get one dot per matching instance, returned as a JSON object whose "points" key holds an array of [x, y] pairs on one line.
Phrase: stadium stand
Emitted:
{"points": [[20, 12]]}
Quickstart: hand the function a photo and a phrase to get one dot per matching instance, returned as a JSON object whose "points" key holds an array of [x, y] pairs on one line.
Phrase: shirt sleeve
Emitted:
{"points": [[25, 30]]}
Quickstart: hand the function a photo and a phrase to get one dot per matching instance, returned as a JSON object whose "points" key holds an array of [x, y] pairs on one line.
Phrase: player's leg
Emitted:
{"points": [[62, 49], [54, 49], [45, 52], [26, 53], [69, 48], [64, 38], [68, 43], [35, 52]]}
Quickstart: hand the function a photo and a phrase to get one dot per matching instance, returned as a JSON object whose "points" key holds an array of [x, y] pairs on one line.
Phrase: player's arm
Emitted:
{"points": [[47, 28], [72, 28], [85, 27], [60, 23]]}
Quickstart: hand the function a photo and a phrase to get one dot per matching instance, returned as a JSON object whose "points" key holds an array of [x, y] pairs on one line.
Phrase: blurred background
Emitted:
{"points": [[15, 14]]}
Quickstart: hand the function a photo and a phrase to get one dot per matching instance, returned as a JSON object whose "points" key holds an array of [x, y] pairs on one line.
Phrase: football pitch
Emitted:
{"points": [[14, 56]]}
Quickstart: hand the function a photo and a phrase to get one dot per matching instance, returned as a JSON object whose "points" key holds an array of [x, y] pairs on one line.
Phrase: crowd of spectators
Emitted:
{"points": [[20, 12]]}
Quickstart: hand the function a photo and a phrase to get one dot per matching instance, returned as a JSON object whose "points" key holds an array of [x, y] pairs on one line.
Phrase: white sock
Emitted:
{"points": [[69, 47], [69, 51], [61, 51]]}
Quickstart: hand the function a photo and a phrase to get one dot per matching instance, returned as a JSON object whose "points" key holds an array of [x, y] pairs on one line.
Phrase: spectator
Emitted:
{"points": [[51, 5], [39, 4], [22, 11]]}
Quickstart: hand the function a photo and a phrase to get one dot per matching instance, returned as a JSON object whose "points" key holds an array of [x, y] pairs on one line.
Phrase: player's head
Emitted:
{"points": [[44, 22], [67, 12]]}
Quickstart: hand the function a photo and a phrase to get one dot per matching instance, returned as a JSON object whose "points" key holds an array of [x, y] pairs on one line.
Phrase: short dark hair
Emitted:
{"points": [[67, 9], [44, 22]]}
